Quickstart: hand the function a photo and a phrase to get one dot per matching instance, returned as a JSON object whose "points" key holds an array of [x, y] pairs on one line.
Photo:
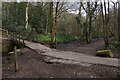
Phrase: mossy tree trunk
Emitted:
{"points": [[51, 22], [55, 26]]}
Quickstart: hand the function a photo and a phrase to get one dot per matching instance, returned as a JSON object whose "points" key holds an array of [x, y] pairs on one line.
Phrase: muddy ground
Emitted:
{"points": [[31, 65], [88, 49]]}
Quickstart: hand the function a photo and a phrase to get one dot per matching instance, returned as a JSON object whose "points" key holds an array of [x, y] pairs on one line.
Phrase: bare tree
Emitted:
{"points": [[56, 9], [105, 22], [115, 19], [90, 10]]}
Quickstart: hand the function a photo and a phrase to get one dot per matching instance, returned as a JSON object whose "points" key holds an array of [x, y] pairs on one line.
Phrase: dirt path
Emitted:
{"points": [[80, 57], [89, 49], [31, 65]]}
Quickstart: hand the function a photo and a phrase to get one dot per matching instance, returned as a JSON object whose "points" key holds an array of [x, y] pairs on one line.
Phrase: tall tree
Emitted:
{"points": [[79, 22], [51, 23], [105, 22], [56, 9], [90, 14], [115, 18]]}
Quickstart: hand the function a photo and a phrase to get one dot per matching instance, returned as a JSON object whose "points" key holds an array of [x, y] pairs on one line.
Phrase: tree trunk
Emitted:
{"points": [[105, 23], [80, 25], [119, 21], [90, 26], [55, 26], [86, 29], [26, 14], [51, 22]]}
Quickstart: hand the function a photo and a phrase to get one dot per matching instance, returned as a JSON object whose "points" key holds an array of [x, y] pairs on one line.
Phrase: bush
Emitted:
{"points": [[44, 38], [116, 42], [110, 47], [105, 53]]}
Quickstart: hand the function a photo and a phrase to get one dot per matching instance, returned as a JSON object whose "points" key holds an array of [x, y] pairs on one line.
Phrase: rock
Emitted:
{"points": [[105, 53]]}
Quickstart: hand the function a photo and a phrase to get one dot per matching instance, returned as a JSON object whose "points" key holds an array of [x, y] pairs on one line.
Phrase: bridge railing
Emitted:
{"points": [[13, 37], [21, 37]]}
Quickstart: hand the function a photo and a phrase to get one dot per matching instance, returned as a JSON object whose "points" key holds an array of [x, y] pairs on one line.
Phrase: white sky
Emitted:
{"points": [[83, 12], [75, 12], [48, 0]]}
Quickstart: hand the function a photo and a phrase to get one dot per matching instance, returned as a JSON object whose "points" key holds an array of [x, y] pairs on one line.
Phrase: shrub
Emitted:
{"points": [[110, 47], [105, 53], [116, 42]]}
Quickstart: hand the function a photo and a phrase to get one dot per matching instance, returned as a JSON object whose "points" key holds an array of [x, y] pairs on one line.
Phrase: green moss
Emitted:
{"points": [[105, 53]]}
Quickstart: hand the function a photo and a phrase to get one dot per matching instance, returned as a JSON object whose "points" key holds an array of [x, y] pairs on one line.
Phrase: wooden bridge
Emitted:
{"points": [[31, 43], [17, 39]]}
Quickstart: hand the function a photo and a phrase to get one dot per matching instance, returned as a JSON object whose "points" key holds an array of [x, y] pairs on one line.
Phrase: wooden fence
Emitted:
{"points": [[20, 37]]}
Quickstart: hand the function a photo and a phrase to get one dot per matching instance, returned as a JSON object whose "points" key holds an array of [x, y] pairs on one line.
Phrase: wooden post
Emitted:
{"points": [[15, 59]]}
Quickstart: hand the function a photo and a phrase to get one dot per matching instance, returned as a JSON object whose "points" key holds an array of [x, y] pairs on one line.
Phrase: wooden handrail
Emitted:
{"points": [[21, 39]]}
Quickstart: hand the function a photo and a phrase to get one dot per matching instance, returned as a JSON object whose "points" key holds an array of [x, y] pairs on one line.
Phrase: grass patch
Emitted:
{"points": [[47, 39], [44, 38], [21, 36]]}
